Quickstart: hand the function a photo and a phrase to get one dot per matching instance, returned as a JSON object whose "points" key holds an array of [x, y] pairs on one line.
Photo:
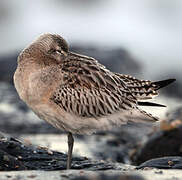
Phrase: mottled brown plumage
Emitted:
{"points": [[90, 90], [75, 93]]}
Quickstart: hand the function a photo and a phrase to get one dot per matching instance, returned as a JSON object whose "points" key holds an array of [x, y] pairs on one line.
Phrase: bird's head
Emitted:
{"points": [[46, 49]]}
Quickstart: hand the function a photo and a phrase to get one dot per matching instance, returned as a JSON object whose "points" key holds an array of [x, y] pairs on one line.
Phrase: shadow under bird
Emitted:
{"points": [[77, 94]]}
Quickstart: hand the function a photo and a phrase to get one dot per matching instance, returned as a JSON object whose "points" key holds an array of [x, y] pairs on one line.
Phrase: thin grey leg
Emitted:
{"points": [[70, 149]]}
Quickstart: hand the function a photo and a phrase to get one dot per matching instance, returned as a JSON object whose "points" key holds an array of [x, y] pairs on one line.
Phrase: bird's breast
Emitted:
{"points": [[41, 84], [20, 82]]}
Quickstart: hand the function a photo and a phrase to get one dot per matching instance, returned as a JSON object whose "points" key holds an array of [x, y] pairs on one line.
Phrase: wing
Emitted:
{"points": [[90, 90]]}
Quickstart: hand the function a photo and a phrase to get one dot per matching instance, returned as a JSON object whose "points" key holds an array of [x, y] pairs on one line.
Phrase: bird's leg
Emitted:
{"points": [[70, 149]]}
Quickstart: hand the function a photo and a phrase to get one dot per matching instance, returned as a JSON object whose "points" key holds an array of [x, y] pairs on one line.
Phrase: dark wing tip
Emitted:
{"points": [[150, 104], [163, 83]]}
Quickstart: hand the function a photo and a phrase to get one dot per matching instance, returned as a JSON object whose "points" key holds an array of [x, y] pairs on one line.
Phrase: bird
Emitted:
{"points": [[77, 94]]}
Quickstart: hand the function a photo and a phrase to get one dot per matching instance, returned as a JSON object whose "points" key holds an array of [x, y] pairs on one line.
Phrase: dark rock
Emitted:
{"points": [[15, 155], [117, 60], [10, 163], [174, 162], [161, 143]]}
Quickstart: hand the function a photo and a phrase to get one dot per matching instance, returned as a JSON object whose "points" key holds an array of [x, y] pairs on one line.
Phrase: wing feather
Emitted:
{"points": [[89, 89], [141, 89]]}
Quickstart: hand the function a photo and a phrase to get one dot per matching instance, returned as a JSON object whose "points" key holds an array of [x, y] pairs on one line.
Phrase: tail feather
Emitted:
{"points": [[150, 104], [156, 86], [144, 89], [163, 83]]}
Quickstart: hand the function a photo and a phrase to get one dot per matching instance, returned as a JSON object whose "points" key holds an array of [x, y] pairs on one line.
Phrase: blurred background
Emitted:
{"points": [[149, 29], [139, 37]]}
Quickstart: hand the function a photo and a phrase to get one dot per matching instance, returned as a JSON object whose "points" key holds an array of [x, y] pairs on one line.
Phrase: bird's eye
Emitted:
{"points": [[61, 52], [58, 52], [53, 51]]}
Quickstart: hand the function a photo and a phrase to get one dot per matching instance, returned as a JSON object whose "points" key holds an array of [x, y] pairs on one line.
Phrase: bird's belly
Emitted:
{"points": [[66, 121], [48, 114]]}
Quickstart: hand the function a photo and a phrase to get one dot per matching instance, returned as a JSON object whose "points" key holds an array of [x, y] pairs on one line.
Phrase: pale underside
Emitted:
{"points": [[81, 125]]}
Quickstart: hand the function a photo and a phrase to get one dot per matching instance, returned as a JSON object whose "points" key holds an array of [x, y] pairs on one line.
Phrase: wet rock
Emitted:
{"points": [[17, 156], [117, 60], [174, 162]]}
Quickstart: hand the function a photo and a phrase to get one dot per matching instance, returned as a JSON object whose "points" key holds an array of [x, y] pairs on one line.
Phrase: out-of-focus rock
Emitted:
{"points": [[166, 141], [163, 143], [117, 60], [173, 162]]}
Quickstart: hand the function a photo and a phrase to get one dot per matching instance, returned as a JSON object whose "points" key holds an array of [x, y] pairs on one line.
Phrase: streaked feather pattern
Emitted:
{"points": [[90, 90], [141, 89]]}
